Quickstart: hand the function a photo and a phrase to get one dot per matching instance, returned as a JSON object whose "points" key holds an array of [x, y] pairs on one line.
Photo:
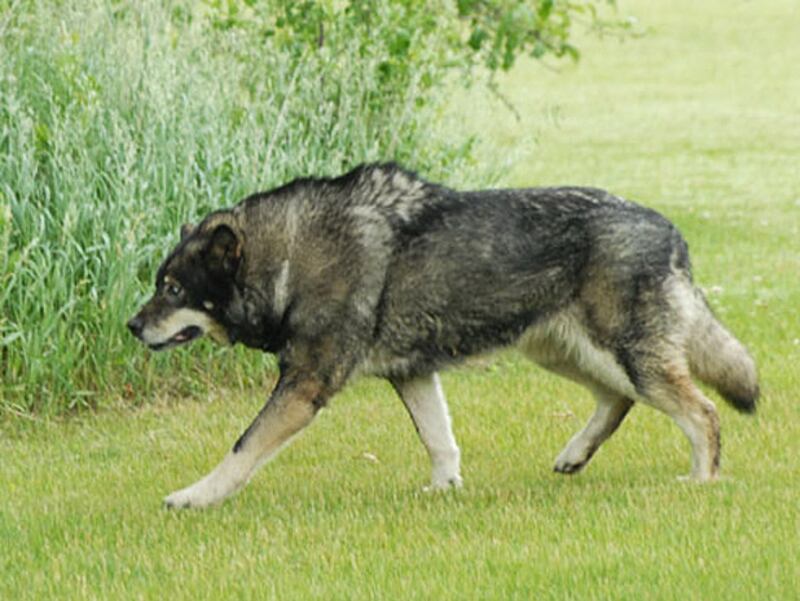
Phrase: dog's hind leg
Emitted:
{"points": [[291, 408], [675, 394], [425, 401], [566, 350], [610, 411]]}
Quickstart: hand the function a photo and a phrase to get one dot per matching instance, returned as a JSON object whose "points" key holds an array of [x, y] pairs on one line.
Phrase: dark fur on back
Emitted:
{"points": [[468, 271]]}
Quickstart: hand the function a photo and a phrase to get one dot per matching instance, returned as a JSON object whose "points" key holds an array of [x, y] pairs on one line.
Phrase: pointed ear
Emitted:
{"points": [[224, 251], [187, 229]]}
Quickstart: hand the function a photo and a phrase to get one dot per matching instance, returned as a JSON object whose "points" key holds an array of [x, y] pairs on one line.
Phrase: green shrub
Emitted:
{"points": [[120, 120]]}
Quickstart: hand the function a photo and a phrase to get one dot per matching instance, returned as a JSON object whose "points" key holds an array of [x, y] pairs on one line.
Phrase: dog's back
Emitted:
{"points": [[490, 265]]}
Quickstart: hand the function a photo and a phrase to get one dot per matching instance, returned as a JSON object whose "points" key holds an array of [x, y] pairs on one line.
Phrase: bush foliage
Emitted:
{"points": [[120, 120]]}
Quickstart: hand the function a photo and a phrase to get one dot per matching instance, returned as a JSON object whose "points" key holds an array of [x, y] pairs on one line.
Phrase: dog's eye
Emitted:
{"points": [[173, 289]]}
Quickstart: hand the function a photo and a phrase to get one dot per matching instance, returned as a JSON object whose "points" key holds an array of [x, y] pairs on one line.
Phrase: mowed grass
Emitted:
{"points": [[341, 514], [698, 119]]}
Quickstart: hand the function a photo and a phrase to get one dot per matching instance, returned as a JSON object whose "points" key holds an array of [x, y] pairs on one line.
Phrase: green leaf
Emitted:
{"points": [[545, 8], [466, 7], [476, 38]]}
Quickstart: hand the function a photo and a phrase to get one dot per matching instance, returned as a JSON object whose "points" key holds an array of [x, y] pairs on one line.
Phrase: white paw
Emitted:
{"points": [[698, 478], [570, 461], [442, 482], [200, 494], [180, 499], [192, 496]]}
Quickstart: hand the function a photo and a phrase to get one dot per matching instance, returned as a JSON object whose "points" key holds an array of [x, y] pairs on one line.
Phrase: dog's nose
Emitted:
{"points": [[136, 325]]}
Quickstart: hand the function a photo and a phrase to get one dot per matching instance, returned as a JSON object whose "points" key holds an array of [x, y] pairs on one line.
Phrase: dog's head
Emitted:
{"points": [[193, 287]]}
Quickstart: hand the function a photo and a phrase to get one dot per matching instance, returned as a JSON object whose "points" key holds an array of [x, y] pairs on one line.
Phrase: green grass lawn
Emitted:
{"points": [[698, 119]]}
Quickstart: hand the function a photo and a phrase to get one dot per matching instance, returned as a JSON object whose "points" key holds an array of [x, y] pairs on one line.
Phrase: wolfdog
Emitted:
{"points": [[381, 272]]}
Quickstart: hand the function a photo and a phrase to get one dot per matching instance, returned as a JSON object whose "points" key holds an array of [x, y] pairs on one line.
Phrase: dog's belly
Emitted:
{"points": [[426, 342], [563, 345]]}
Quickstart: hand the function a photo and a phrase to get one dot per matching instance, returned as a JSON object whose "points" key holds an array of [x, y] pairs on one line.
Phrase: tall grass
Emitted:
{"points": [[121, 120]]}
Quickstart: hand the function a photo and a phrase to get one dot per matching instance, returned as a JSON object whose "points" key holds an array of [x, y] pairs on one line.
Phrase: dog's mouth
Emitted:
{"points": [[185, 335]]}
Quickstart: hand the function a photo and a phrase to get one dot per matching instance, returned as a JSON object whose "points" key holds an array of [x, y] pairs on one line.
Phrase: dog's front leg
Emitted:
{"points": [[291, 407], [426, 404]]}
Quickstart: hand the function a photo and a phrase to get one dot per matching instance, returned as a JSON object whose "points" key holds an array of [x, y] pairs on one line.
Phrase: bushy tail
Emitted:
{"points": [[721, 361]]}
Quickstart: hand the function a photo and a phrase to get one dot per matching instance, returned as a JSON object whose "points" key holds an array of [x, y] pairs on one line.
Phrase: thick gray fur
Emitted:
{"points": [[380, 272]]}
